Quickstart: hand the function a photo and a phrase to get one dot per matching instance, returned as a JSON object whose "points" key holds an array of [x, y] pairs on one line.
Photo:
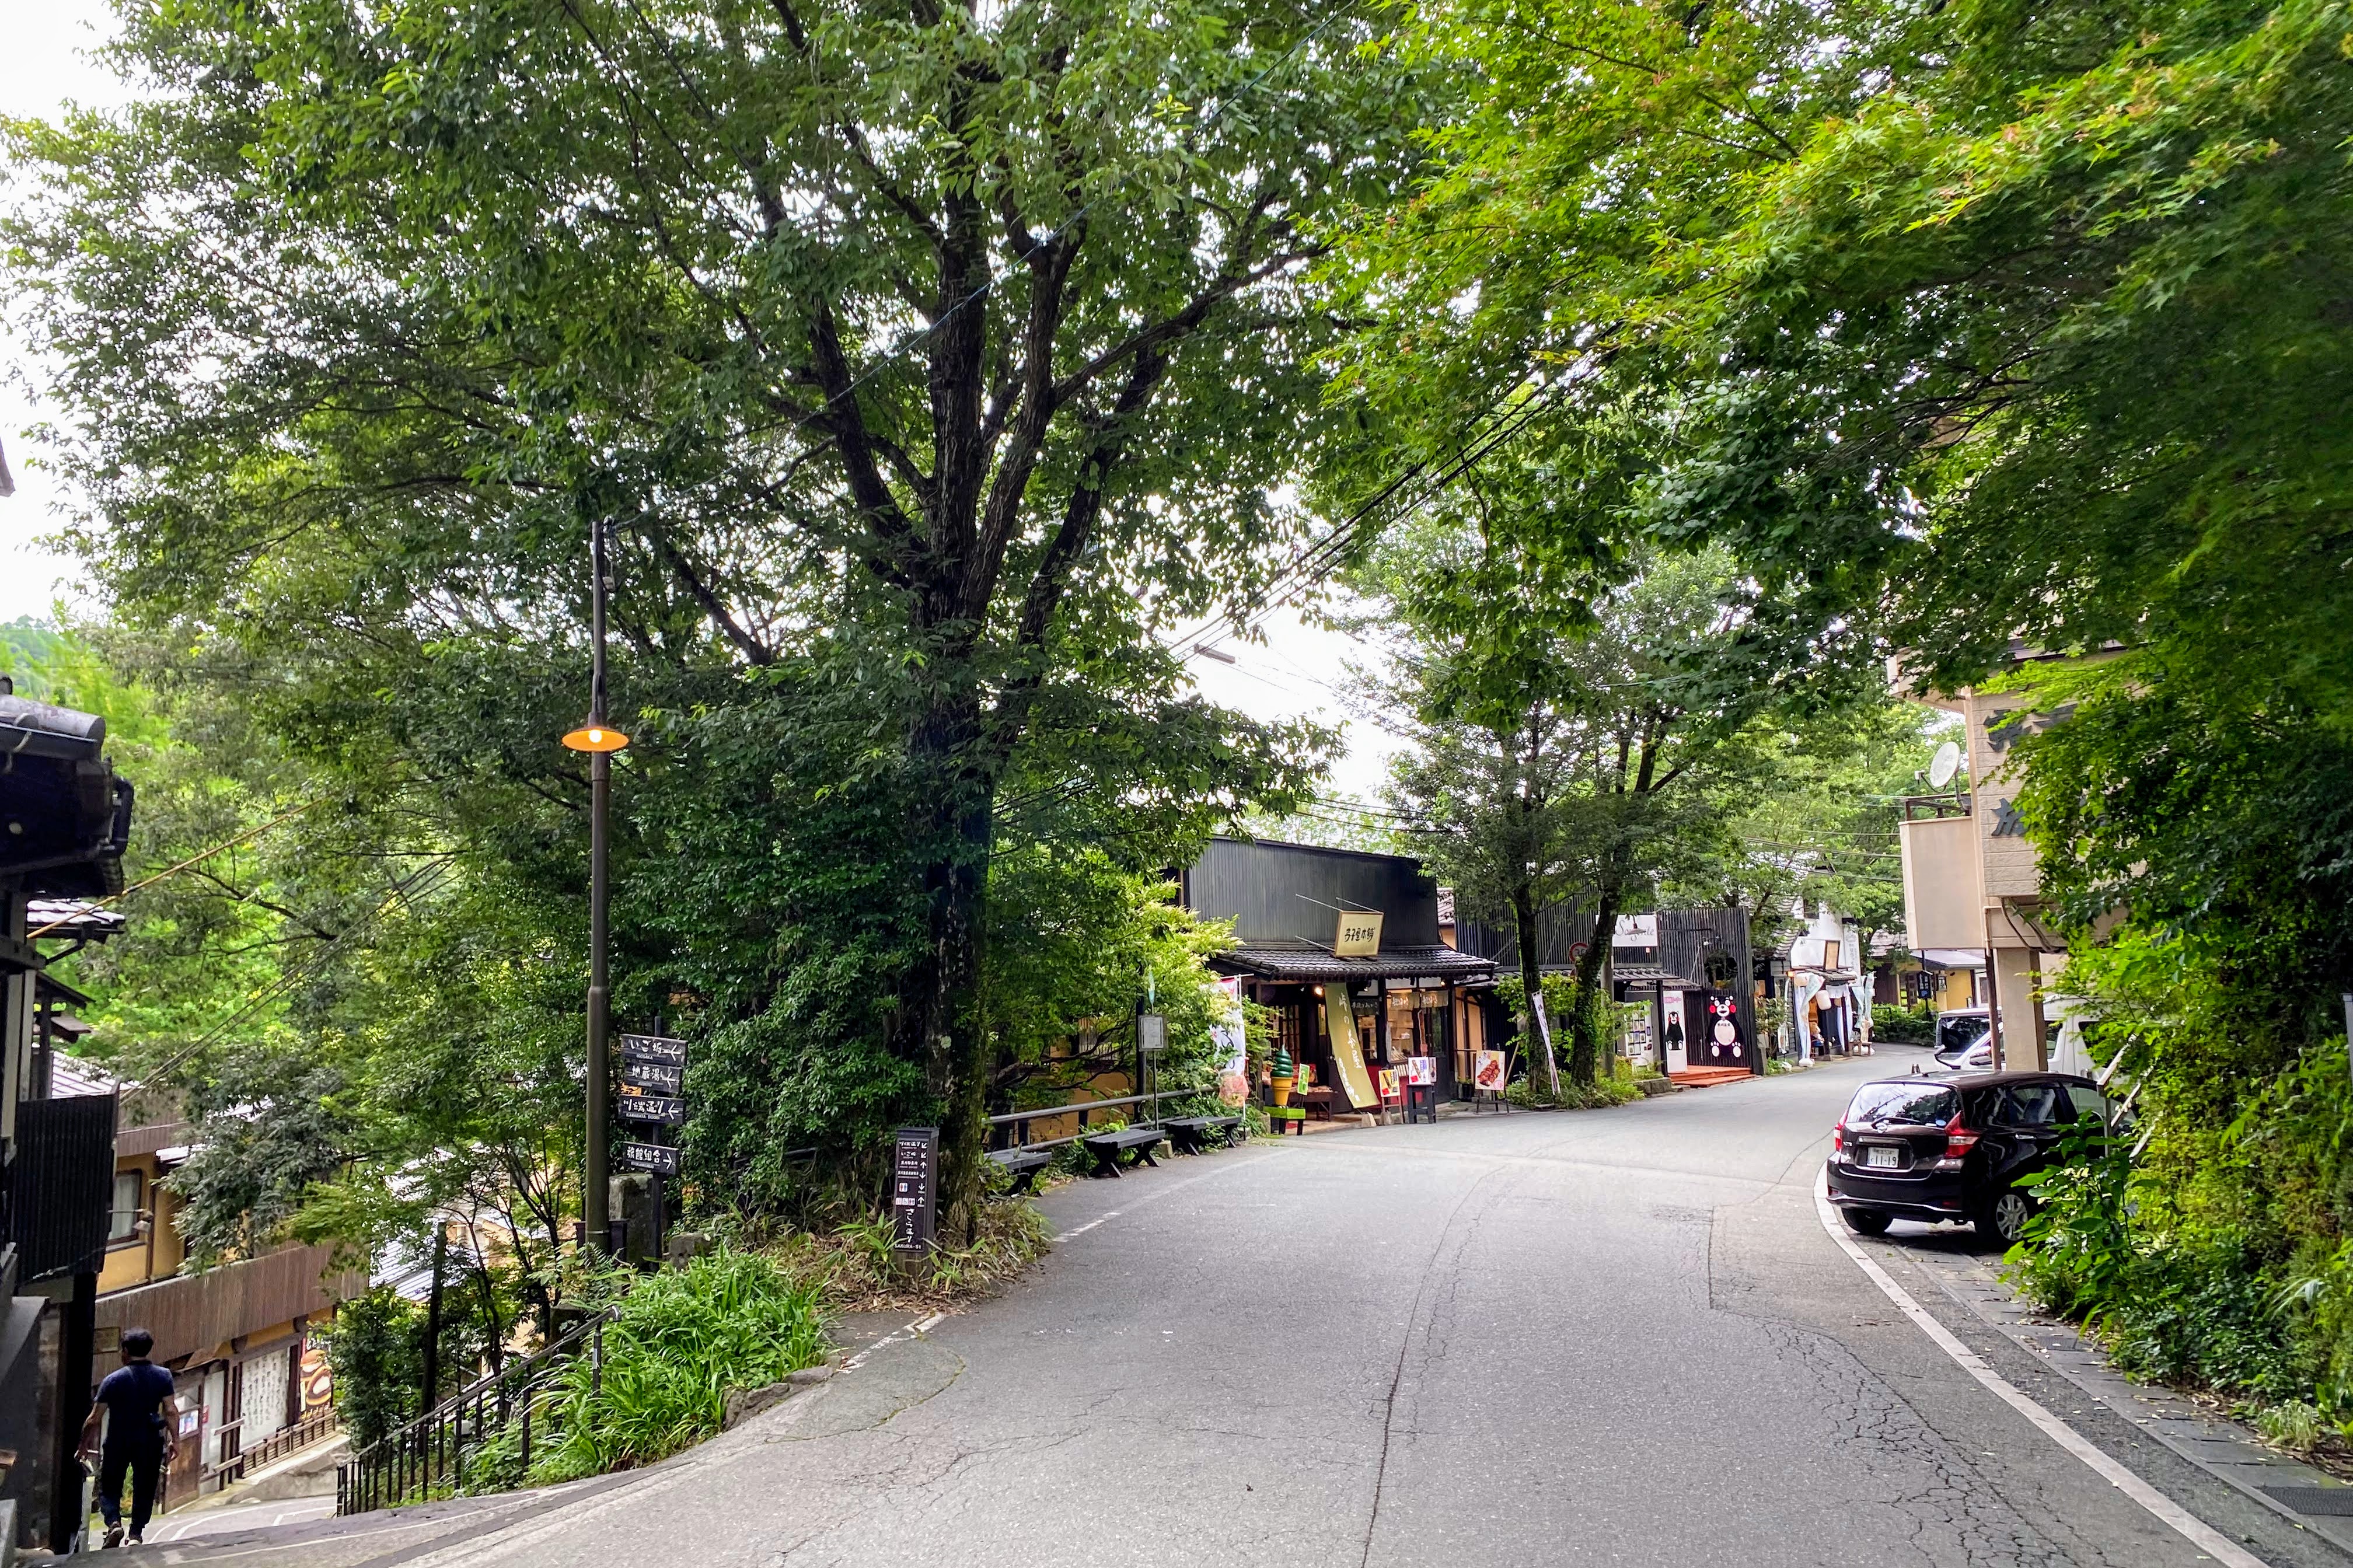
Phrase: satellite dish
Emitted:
{"points": [[1945, 764]]}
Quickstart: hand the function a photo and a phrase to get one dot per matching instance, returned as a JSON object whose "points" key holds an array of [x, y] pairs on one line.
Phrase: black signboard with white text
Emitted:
{"points": [[914, 1188], [653, 1049], [666, 1110], [653, 1076], [651, 1157]]}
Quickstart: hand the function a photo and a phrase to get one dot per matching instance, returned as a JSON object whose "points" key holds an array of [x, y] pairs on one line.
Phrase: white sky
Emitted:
{"points": [[42, 69], [1295, 674]]}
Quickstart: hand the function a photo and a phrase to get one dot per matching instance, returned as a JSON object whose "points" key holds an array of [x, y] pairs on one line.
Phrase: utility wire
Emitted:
{"points": [[196, 860], [423, 882]]}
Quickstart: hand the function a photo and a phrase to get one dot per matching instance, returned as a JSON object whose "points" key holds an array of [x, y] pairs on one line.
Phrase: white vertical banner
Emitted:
{"points": [[1233, 1063]]}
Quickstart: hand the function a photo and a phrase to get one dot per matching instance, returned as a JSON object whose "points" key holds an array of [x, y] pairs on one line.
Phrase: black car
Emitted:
{"points": [[1951, 1146]]}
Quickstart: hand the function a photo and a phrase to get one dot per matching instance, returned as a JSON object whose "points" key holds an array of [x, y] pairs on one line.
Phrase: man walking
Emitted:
{"points": [[142, 1435]]}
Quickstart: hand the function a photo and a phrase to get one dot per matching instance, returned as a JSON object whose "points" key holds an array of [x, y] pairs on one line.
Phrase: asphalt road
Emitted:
{"points": [[1616, 1337]]}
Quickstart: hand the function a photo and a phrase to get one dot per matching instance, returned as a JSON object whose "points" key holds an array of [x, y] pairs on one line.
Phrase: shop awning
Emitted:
{"points": [[1306, 963], [1650, 977]]}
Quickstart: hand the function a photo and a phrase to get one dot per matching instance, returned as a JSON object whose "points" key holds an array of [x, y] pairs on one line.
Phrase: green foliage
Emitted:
{"points": [[914, 426], [682, 1340], [1901, 1026], [375, 1350]]}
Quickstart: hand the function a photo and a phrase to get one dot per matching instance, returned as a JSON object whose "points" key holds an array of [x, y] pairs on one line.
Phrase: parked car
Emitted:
{"points": [[1952, 1146], [1964, 1038]]}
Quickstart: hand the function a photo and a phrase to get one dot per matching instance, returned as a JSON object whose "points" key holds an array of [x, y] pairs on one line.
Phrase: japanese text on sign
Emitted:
{"points": [[913, 1188]]}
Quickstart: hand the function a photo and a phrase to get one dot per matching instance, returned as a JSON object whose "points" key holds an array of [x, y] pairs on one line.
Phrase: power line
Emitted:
{"points": [[174, 871], [1316, 559]]}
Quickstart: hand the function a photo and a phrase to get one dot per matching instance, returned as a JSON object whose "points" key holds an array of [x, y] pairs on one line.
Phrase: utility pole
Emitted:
{"points": [[600, 740]]}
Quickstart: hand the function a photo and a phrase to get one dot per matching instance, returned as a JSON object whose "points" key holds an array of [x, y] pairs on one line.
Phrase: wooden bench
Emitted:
{"points": [[1107, 1147], [1191, 1134], [1022, 1165]]}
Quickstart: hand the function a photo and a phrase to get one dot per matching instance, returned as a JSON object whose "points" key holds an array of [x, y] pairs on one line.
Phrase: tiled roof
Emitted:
{"points": [[1304, 964]]}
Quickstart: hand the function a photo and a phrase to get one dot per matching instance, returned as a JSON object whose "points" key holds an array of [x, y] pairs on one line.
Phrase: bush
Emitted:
{"points": [[375, 1349], [1902, 1026], [681, 1341]]}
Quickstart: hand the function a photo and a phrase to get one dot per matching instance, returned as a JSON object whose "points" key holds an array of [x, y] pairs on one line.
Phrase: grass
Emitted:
{"points": [[682, 1340]]}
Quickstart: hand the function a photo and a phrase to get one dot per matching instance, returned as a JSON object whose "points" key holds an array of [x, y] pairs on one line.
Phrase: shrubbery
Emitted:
{"points": [[2218, 1260], [1901, 1026], [683, 1339]]}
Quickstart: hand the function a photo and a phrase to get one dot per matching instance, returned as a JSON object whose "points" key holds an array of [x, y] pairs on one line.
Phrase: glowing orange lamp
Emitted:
{"points": [[595, 736]]}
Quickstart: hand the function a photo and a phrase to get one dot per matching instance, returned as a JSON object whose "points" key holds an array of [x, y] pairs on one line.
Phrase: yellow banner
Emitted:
{"points": [[1340, 1023]]}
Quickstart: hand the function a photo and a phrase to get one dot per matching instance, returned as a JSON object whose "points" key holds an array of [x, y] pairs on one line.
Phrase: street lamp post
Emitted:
{"points": [[600, 740]]}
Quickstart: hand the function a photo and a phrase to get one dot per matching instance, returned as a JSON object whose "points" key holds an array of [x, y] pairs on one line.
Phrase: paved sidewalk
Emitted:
{"points": [[2309, 1497]]}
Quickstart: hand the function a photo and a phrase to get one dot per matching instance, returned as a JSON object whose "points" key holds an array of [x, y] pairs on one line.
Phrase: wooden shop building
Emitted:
{"points": [[1349, 952]]}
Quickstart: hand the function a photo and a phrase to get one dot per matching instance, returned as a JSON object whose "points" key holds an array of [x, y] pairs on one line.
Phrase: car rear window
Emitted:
{"points": [[1921, 1104], [1954, 1031]]}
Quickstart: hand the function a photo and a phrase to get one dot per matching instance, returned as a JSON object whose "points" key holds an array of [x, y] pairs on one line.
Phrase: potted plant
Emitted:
{"points": [[1283, 1077]]}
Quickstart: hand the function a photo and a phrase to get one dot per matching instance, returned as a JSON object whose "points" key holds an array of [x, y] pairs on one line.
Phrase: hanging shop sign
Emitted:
{"points": [[653, 1049], [668, 1110], [654, 1075], [914, 1189], [1359, 934], [651, 1157]]}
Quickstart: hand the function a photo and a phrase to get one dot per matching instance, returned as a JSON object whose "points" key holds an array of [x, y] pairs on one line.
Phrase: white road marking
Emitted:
{"points": [[2188, 1526], [1082, 1230]]}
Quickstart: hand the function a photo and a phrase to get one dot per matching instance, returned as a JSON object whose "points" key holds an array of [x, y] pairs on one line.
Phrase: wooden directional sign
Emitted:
{"points": [[653, 1049], [651, 1157], [653, 1076], [667, 1109]]}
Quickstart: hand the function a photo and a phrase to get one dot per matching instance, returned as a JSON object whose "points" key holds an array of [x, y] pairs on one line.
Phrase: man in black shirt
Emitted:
{"points": [[142, 1435]]}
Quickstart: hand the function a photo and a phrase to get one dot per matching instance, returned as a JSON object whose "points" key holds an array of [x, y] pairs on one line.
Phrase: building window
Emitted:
{"points": [[123, 1225]]}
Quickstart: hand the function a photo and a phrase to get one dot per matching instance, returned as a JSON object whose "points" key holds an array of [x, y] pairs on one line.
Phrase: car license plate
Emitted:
{"points": [[1881, 1158]]}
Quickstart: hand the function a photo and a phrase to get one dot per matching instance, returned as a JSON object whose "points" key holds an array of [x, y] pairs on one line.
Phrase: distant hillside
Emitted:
{"points": [[29, 648]]}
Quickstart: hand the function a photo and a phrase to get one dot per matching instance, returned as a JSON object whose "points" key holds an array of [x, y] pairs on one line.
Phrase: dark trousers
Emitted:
{"points": [[145, 1463]]}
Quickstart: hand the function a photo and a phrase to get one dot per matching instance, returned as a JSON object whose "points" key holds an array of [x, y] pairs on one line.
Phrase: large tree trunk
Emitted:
{"points": [[952, 832], [1585, 1027], [1524, 917]]}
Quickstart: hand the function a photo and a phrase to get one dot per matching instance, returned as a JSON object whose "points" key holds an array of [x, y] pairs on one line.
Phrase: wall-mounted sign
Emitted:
{"points": [[651, 1157], [915, 1164], [666, 1110], [654, 1075], [1635, 930], [1359, 936], [653, 1049]]}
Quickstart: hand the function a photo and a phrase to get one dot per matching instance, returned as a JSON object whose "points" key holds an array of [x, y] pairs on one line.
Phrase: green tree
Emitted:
{"points": [[1573, 716], [921, 361]]}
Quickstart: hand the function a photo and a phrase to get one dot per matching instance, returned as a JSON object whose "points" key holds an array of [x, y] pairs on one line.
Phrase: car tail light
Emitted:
{"points": [[1838, 1140], [1958, 1142]]}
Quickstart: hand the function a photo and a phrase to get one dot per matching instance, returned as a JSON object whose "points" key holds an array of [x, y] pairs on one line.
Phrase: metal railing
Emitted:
{"points": [[315, 1427], [1020, 1120], [1936, 807], [427, 1457]]}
